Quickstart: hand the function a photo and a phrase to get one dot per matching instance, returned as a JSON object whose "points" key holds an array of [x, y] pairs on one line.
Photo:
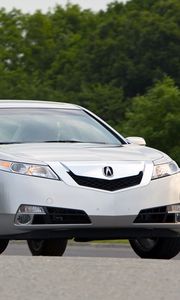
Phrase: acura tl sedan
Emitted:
{"points": [[66, 174]]}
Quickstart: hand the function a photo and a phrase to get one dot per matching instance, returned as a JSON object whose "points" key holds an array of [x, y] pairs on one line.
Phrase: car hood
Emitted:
{"points": [[34, 153]]}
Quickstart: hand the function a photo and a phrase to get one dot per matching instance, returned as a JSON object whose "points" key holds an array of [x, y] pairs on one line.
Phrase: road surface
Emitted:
{"points": [[87, 273], [81, 250], [88, 278]]}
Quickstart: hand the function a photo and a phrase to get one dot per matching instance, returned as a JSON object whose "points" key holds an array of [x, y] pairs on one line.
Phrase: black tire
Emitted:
{"points": [[47, 247], [159, 248], [3, 245]]}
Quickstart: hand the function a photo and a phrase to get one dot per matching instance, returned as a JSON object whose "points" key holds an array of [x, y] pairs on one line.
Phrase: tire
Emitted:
{"points": [[47, 247], [3, 245], [159, 248]]}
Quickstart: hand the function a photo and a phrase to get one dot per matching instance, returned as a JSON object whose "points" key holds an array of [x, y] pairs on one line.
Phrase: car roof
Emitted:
{"points": [[36, 104]]}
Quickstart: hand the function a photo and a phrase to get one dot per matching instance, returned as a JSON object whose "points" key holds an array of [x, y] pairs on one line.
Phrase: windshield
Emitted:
{"points": [[52, 125]]}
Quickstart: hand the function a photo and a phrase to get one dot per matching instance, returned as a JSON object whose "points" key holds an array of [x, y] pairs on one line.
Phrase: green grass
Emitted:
{"points": [[111, 242]]}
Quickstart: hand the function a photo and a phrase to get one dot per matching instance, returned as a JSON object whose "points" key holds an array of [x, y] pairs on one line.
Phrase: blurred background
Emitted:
{"points": [[119, 59]]}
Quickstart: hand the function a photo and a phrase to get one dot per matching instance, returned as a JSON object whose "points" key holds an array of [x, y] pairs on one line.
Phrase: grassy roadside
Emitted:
{"points": [[100, 242], [110, 242]]}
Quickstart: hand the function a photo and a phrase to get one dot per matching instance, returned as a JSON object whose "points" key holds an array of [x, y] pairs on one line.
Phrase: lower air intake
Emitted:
{"points": [[157, 215], [61, 216]]}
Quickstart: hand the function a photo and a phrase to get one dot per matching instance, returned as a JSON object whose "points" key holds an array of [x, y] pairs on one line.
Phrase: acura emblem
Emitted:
{"points": [[108, 171]]}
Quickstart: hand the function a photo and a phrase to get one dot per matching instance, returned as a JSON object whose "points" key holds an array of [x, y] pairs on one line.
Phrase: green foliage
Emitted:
{"points": [[100, 60], [156, 116], [106, 100]]}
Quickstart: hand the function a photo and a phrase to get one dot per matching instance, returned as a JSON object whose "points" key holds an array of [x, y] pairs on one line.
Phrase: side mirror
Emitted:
{"points": [[136, 140]]}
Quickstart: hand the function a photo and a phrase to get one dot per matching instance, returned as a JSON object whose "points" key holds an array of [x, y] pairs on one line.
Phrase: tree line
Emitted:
{"points": [[122, 63]]}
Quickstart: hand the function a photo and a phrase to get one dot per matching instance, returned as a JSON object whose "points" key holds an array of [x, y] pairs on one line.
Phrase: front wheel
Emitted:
{"points": [[158, 248], [54, 247], [3, 245]]}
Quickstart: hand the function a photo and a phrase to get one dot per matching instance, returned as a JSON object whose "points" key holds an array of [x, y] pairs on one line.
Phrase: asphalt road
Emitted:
{"points": [[81, 250], [87, 278], [76, 277], [78, 249]]}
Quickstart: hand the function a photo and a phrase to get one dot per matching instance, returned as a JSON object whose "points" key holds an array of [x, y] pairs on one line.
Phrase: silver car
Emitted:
{"points": [[66, 174]]}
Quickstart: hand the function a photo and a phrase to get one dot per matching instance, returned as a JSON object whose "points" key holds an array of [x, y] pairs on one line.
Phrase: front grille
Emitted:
{"points": [[61, 216], [107, 185]]}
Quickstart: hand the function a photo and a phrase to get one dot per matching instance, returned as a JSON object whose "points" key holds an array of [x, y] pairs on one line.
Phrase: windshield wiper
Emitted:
{"points": [[57, 141], [63, 141], [75, 141], [36, 142], [10, 143]]}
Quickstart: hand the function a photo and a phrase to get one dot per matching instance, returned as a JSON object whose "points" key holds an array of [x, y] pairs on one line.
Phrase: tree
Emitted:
{"points": [[104, 100], [100, 60], [156, 116]]}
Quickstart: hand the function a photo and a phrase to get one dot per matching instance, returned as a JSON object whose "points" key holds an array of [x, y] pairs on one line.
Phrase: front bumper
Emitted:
{"points": [[111, 214]]}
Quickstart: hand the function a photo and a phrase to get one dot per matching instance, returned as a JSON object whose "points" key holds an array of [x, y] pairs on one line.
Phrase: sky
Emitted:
{"points": [[44, 5]]}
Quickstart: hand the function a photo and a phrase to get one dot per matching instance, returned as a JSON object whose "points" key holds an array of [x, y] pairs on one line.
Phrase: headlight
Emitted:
{"points": [[166, 169], [27, 169]]}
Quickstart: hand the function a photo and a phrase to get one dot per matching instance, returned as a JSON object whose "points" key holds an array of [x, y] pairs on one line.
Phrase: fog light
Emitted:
{"points": [[24, 219], [25, 214], [31, 209], [177, 218], [174, 208]]}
